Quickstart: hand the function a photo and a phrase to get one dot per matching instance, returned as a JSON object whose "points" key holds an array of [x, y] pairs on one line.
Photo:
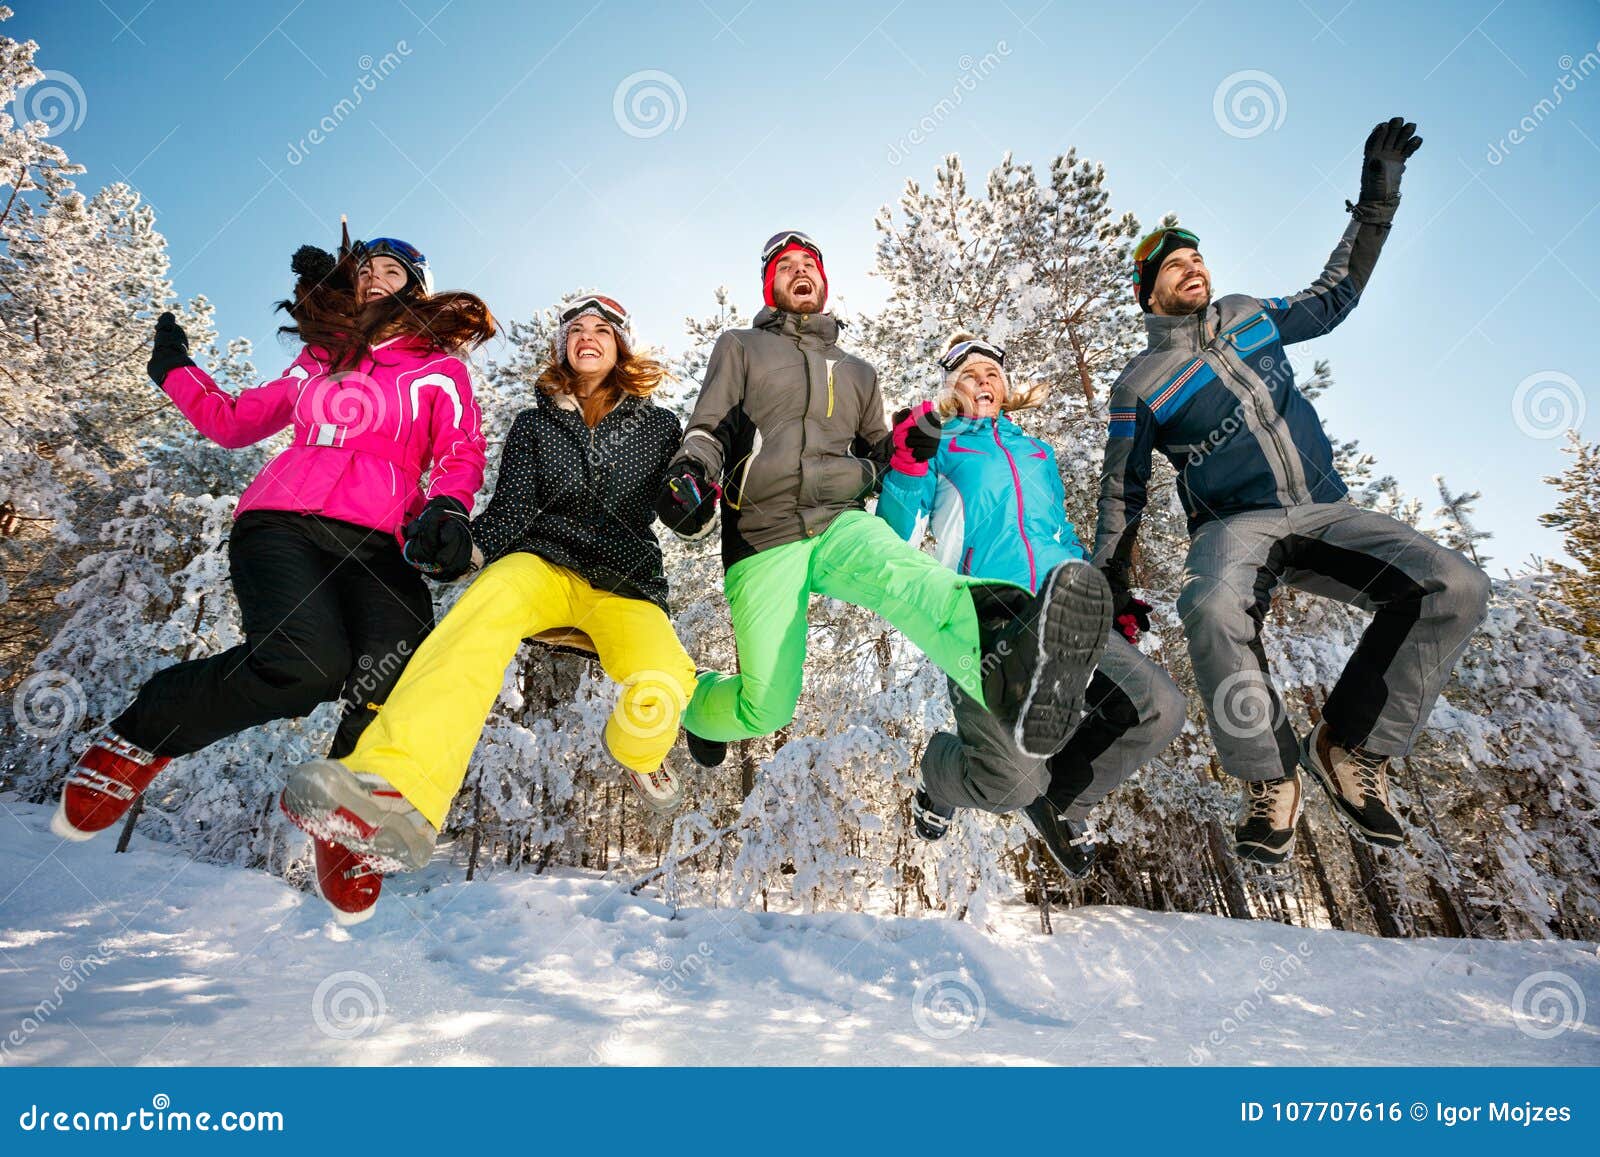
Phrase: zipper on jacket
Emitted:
{"points": [[1261, 399], [966, 561], [1022, 527], [829, 414]]}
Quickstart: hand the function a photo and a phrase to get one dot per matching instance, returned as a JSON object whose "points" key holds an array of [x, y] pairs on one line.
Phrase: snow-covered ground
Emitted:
{"points": [[150, 958]]}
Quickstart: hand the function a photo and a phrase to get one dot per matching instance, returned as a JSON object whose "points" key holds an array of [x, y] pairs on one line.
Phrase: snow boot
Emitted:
{"points": [[705, 752], [1357, 782], [660, 790], [1039, 654], [102, 786], [1268, 813], [359, 811], [347, 882], [1067, 840], [930, 821]]}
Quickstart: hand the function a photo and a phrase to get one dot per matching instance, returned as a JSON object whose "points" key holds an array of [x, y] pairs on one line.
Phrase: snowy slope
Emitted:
{"points": [[149, 958]]}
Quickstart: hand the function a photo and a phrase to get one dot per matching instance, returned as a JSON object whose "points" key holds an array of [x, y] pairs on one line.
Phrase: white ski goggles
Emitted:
{"points": [[780, 241], [961, 351]]}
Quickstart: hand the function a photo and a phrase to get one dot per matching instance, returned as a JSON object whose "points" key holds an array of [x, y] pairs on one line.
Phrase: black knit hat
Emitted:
{"points": [[1167, 242]]}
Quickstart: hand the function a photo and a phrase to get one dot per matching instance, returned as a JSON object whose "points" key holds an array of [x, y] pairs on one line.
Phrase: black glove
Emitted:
{"points": [[171, 349], [1130, 616], [438, 541], [1389, 146], [686, 502]]}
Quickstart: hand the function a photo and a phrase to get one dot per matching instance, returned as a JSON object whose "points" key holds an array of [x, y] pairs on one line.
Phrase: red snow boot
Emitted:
{"points": [[347, 882], [103, 785]]}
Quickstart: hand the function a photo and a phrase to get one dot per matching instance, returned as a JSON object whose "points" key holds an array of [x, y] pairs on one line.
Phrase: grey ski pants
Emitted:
{"points": [[1132, 711], [1425, 599]]}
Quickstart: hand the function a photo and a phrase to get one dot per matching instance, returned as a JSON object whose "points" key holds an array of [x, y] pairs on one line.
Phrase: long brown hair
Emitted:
{"points": [[634, 375], [327, 316]]}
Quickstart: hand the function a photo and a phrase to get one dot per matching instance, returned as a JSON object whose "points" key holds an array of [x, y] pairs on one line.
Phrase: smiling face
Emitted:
{"points": [[797, 282], [380, 277], [591, 347], [980, 389], [1183, 286]]}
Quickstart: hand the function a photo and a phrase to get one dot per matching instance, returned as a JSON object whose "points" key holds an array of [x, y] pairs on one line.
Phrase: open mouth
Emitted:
{"points": [[984, 398], [588, 352], [1193, 283], [802, 288]]}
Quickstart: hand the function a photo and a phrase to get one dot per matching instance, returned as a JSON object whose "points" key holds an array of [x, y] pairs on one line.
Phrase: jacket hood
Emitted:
{"points": [[1177, 333], [798, 325]]}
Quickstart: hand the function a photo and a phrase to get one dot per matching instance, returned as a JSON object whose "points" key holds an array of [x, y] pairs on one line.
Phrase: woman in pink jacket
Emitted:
{"points": [[330, 541]]}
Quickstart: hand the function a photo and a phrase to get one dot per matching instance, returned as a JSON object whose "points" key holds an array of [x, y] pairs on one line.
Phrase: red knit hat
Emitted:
{"points": [[788, 243]]}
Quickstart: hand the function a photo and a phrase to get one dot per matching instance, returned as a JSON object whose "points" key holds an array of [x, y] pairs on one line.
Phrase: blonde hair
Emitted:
{"points": [[948, 403]]}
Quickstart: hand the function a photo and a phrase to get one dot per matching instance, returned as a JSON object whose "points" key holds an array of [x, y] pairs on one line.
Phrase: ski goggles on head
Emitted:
{"points": [[607, 307], [1153, 242], [780, 241], [961, 351], [404, 252]]}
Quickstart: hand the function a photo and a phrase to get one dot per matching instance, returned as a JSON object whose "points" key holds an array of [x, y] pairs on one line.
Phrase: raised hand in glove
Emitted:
{"points": [[687, 500], [916, 433], [438, 541], [1389, 146], [171, 350]]}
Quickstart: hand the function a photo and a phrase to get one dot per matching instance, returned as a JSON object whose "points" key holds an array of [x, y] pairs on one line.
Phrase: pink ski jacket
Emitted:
{"points": [[362, 437]]}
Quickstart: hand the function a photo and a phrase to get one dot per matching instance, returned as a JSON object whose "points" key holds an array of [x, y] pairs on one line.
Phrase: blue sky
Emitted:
{"points": [[493, 143]]}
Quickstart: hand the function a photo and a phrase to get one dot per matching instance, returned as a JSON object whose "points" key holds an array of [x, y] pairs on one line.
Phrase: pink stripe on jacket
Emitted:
{"points": [[362, 437]]}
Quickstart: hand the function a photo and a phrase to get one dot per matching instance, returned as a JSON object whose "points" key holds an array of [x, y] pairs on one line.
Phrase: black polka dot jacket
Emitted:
{"points": [[580, 497]]}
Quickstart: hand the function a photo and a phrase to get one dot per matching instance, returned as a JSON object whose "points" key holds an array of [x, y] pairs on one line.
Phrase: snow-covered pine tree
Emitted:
{"points": [[1577, 517]]}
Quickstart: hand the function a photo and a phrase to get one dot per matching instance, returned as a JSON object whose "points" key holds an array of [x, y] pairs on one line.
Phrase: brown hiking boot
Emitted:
{"points": [[1268, 813], [1357, 781]]}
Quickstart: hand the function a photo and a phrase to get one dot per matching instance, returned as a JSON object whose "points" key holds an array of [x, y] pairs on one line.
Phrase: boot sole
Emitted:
{"points": [[654, 802], [318, 792], [61, 826], [1376, 839], [1028, 823], [1072, 634], [1263, 853]]}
